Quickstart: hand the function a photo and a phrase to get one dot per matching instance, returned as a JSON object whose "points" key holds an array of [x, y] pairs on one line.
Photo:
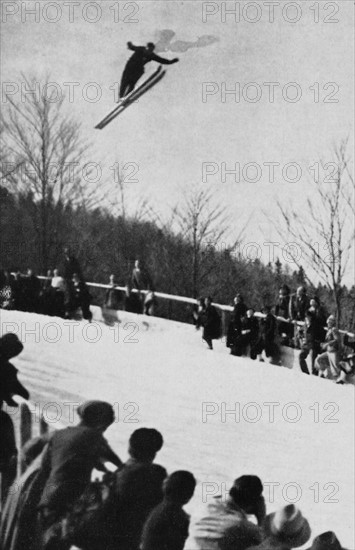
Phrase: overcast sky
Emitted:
{"points": [[185, 125]]}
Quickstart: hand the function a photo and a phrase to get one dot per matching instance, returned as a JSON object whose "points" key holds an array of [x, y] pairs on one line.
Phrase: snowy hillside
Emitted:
{"points": [[161, 375]]}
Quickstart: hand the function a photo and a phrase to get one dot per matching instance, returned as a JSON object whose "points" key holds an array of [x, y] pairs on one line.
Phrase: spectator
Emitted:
{"points": [[211, 322], [311, 341], [10, 346], [132, 301], [6, 299], [282, 309], [57, 294], [347, 365], [198, 311], [327, 362], [167, 527], [47, 283], [150, 303], [81, 298], [138, 489], [249, 336], [112, 297], [316, 308], [70, 457], [267, 335], [140, 278], [70, 266], [284, 530], [235, 325], [298, 307], [57, 281], [32, 290], [226, 525], [18, 291], [326, 541]]}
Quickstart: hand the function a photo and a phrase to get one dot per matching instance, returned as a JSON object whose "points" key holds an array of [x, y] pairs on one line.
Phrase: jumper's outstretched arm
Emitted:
{"points": [[164, 61]]}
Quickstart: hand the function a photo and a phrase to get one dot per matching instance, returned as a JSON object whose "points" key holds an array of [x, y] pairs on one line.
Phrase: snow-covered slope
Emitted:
{"points": [[160, 374]]}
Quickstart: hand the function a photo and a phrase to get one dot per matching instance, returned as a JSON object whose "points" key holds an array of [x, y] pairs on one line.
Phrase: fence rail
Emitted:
{"points": [[186, 300]]}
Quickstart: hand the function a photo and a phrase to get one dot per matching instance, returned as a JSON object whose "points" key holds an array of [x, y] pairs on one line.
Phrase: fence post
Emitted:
{"points": [[25, 429], [25, 424]]}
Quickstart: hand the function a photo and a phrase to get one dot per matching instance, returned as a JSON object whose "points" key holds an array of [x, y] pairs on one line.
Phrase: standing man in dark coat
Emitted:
{"points": [[134, 68], [32, 289], [282, 309], [80, 298], [211, 322], [235, 324], [138, 489], [249, 335], [267, 334], [70, 266]]}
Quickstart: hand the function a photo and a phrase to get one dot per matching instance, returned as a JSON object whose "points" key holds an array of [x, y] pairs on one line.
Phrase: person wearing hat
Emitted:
{"points": [[327, 363], [10, 346], [70, 457], [284, 529], [326, 541], [167, 527], [226, 525], [138, 489]]}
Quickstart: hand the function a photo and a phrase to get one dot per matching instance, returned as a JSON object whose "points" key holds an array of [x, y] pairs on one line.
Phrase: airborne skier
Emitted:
{"points": [[134, 68]]}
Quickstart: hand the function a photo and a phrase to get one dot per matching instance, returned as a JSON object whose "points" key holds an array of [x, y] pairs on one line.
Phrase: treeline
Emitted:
{"points": [[105, 244]]}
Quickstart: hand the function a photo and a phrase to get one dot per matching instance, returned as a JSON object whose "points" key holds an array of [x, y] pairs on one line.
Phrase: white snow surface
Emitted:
{"points": [[163, 380]]}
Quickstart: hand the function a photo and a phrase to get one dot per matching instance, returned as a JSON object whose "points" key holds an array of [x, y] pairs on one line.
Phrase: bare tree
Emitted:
{"points": [[205, 226], [44, 158], [325, 230]]}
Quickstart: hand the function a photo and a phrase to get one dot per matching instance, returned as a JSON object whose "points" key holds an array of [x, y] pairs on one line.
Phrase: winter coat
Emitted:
{"points": [[225, 528], [9, 384], [138, 489], [69, 267], [235, 324], [71, 455], [298, 307], [282, 308], [166, 528], [211, 323]]}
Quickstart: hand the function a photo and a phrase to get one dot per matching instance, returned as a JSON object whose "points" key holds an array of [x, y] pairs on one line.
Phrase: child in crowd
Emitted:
{"points": [[167, 527]]}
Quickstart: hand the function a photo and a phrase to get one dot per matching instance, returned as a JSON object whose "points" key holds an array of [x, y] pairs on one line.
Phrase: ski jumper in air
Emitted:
{"points": [[134, 68]]}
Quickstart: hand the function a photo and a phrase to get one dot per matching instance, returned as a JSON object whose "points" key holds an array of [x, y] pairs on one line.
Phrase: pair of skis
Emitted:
{"points": [[126, 101]]}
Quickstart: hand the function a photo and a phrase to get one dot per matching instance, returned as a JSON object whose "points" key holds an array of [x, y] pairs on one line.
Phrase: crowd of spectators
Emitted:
{"points": [[64, 293], [295, 321], [54, 504]]}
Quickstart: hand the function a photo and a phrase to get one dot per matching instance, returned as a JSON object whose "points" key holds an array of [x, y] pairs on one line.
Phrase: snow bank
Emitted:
{"points": [[220, 416]]}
